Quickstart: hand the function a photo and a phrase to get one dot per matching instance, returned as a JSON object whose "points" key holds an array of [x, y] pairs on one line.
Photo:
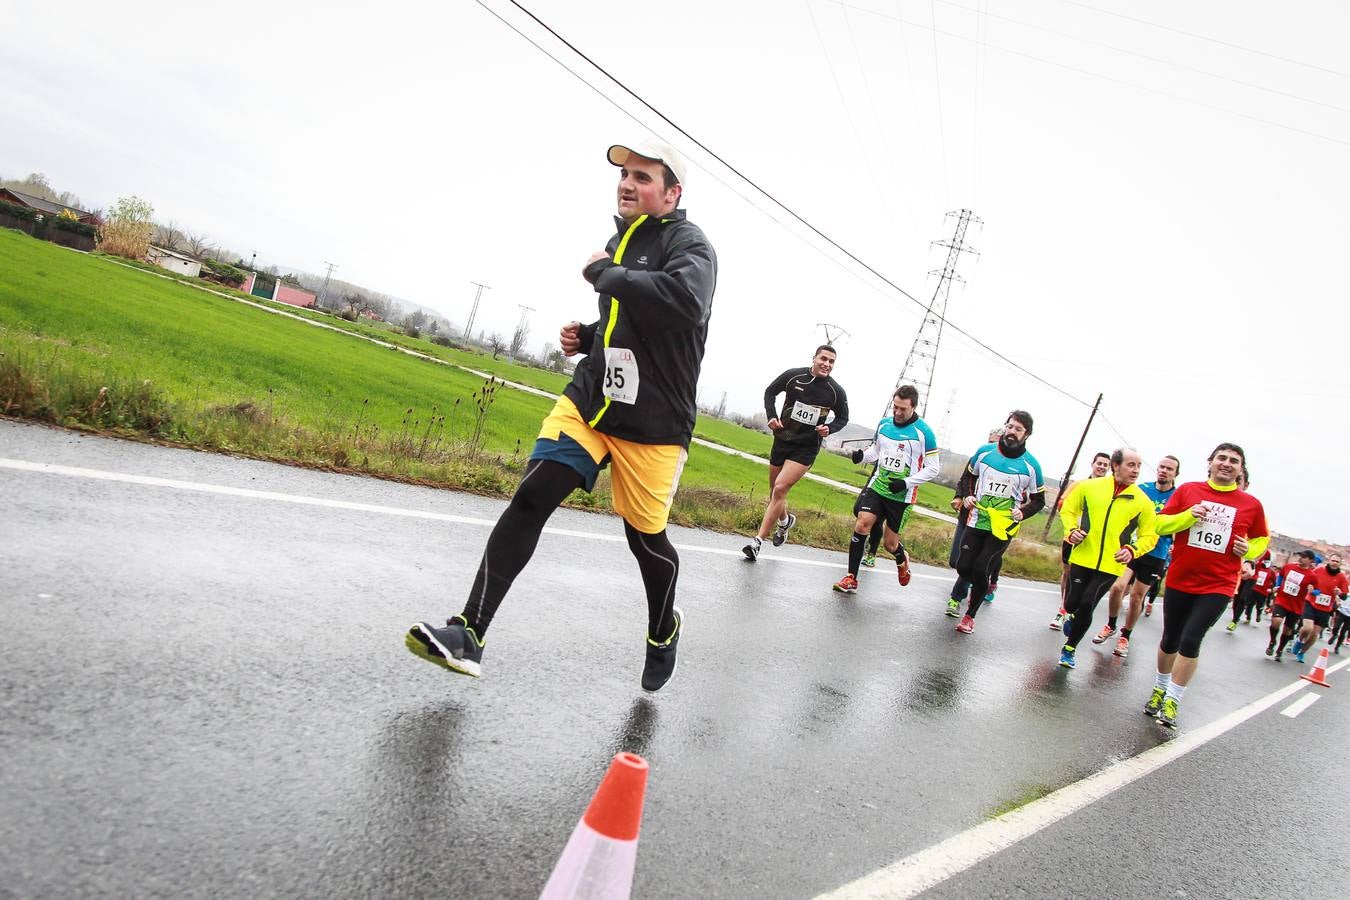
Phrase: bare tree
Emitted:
{"points": [[198, 244], [518, 338], [168, 236], [496, 344], [357, 303]]}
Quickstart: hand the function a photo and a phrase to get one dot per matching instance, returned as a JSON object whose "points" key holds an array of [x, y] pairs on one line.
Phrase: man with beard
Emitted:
{"points": [[811, 395], [1109, 524], [1223, 526], [1002, 486], [1327, 585], [906, 455], [1146, 570]]}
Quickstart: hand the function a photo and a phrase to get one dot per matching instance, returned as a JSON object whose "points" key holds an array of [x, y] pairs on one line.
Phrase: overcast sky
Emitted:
{"points": [[1163, 185]]}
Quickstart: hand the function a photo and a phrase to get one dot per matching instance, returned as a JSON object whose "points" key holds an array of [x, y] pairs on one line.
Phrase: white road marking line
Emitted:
{"points": [[200, 487], [920, 871], [1299, 705]]}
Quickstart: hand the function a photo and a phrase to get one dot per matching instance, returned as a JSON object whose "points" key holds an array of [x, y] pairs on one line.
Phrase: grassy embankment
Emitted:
{"points": [[89, 344]]}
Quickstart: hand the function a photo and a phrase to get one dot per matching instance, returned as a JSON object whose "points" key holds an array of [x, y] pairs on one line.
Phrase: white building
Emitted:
{"points": [[173, 261]]}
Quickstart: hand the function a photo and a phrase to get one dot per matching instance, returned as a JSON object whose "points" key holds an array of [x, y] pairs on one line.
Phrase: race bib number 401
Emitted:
{"points": [[621, 375], [805, 413], [1214, 532]]}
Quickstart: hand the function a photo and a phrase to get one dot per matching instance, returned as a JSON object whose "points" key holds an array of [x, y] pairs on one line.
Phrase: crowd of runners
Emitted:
{"points": [[630, 406]]}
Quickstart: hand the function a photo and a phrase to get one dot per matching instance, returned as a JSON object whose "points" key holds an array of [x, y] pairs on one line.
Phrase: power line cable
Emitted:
{"points": [[846, 252], [1120, 81], [937, 79], [1205, 37], [1155, 59]]}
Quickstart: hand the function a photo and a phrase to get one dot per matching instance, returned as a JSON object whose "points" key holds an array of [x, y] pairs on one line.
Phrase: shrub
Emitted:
{"points": [[129, 227], [72, 224], [17, 211], [223, 272]]}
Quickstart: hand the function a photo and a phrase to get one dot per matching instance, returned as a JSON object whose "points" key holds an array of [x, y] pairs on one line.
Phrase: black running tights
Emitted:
{"points": [[1341, 632], [1186, 619], [1086, 589], [545, 486], [981, 555]]}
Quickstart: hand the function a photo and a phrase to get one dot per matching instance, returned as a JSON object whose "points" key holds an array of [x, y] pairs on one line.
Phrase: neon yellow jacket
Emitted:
{"points": [[1110, 520]]}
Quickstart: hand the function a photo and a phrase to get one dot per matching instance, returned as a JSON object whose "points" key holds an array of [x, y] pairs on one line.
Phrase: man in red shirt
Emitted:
{"points": [[1291, 586], [1328, 585], [1263, 582], [1217, 526]]}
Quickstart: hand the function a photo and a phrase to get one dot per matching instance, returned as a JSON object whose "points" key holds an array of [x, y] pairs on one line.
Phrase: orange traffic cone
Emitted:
{"points": [[1318, 675], [601, 854]]}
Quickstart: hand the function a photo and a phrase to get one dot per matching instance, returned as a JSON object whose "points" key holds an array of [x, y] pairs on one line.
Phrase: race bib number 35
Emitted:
{"points": [[805, 413], [621, 375], [1215, 531]]}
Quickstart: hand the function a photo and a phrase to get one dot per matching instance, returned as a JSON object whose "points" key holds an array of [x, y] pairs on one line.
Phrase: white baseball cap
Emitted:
{"points": [[650, 149]]}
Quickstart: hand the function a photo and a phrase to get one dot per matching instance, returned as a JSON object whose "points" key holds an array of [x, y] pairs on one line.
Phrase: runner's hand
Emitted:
{"points": [[595, 257], [823, 430], [956, 504], [1125, 555], [1017, 514], [1075, 537], [969, 502], [1240, 546], [775, 424], [897, 484], [1199, 510], [569, 338], [856, 456]]}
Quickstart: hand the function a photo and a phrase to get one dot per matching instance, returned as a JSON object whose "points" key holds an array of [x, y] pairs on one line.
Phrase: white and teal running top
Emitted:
{"points": [[906, 451], [1001, 483]]}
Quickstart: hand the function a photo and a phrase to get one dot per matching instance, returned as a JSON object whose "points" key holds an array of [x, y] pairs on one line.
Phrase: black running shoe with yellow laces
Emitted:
{"points": [[455, 647], [661, 661]]}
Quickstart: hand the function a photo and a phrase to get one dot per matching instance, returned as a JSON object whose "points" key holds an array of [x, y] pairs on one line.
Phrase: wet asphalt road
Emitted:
{"points": [[208, 695]]}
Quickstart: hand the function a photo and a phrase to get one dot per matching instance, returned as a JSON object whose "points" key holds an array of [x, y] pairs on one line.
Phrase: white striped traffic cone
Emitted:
{"points": [[1318, 675], [601, 854]]}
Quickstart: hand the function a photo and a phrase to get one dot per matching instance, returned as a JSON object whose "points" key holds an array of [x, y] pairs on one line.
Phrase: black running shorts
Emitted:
{"points": [[1148, 569], [893, 512], [782, 451], [1320, 617]]}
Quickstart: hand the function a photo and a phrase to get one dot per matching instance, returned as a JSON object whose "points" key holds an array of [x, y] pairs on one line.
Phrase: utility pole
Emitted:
{"points": [[832, 332], [327, 275], [1050, 519], [921, 364], [473, 313]]}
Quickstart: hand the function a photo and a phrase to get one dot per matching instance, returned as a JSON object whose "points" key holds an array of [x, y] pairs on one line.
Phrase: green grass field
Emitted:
{"points": [[86, 342]]}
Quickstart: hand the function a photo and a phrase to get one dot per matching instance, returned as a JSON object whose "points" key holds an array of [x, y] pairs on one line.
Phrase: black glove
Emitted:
{"points": [[897, 484], [856, 456]]}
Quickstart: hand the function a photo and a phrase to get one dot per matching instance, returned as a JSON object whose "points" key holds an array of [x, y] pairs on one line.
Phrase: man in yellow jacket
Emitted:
{"points": [[1108, 521]]}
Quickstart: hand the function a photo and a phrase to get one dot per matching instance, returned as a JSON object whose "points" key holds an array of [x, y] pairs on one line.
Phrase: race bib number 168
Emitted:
{"points": [[1215, 531]]}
